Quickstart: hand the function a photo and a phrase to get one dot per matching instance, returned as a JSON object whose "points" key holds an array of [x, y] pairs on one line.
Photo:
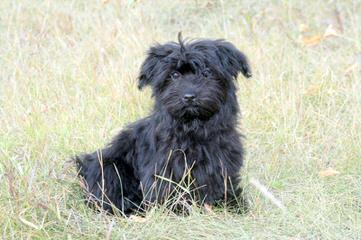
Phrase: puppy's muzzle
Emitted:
{"points": [[189, 98]]}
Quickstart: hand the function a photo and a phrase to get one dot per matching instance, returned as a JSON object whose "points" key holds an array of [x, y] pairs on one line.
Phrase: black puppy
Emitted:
{"points": [[190, 138]]}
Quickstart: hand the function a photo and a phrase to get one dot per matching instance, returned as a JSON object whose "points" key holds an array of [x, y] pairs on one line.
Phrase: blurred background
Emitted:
{"points": [[68, 82]]}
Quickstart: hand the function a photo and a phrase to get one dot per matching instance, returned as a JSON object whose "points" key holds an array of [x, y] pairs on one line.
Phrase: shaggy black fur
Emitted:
{"points": [[190, 138]]}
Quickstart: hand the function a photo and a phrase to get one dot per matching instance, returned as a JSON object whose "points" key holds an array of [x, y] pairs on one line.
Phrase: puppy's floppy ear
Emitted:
{"points": [[233, 60], [152, 65]]}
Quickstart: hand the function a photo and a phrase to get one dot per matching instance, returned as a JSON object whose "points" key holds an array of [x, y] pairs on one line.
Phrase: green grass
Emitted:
{"points": [[68, 83]]}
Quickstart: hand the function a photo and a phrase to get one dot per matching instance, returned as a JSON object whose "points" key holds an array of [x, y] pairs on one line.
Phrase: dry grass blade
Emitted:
{"points": [[266, 193], [30, 224]]}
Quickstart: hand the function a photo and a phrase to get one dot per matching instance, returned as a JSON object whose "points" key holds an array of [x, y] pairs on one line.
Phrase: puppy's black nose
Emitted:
{"points": [[188, 97]]}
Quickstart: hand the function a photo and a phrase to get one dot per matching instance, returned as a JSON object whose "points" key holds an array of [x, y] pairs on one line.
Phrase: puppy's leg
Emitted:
{"points": [[109, 177], [235, 197]]}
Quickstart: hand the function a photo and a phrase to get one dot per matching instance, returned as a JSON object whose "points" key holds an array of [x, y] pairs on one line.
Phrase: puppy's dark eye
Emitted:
{"points": [[206, 72], [175, 75]]}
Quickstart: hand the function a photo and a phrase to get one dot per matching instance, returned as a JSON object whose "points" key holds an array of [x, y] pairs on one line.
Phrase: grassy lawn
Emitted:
{"points": [[68, 74]]}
